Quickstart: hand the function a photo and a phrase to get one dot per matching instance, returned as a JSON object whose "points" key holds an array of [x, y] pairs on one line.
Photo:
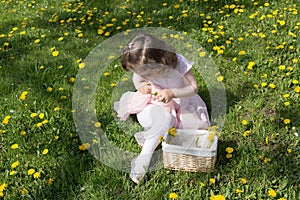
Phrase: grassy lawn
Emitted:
{"points": [[43, 45]]}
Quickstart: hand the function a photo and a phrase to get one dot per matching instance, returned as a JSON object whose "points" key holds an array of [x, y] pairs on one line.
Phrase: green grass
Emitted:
{"points": [[267, 157]]}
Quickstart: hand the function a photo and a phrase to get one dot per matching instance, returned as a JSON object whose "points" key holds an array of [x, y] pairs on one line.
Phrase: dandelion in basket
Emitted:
{"points": [[212, 132], [172, 131]]}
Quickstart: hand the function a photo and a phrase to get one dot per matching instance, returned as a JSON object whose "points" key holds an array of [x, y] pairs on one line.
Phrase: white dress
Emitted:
{"points": [[189, 112]]}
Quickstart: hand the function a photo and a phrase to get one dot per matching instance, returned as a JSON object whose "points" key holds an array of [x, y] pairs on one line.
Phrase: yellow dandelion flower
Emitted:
{"points": [[31, 171], [100, 31], [3, 187], [202, 184], [229, 155], [246, 133], [281, 67], [23, 95], [286, 121], [2, 131], [37, 41], [220, 78], [202, 54], [244, 122], [297, 89], [50, 181], [49, 89], [39, 124], [286, 96], [111, 57], [37, 175], [12, 172], [272, 85], [217, 197], [56, 109], [161, 139], [6, 119], [263, 84], [84, 146], [295, 82], [172, 131], [45, 151], [24, 191], [211, 136], [32, 115], [281, 22], [72, 79], [250, 65], [237, 191], [106, 73], [41, 115], [173, 196], [15, 164], [229, 149], [244, 181], [81, 65], [242, 52], [55, 53], [272, 193], [212, 181], [14, 146], [97, 124]]}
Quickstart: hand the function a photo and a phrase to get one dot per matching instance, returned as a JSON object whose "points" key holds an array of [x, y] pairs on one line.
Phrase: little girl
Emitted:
{"points": [[166, 96]]}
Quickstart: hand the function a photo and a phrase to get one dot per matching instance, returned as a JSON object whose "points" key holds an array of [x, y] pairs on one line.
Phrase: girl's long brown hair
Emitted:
{"points": [[147, 49]]}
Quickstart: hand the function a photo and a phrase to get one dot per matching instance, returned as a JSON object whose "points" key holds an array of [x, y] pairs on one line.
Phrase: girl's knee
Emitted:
{"points": [[162, 117]]}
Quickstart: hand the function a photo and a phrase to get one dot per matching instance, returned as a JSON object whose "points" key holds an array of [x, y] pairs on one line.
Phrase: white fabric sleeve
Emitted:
{"points": [[183, 92], [184, 65], [138, 81]]}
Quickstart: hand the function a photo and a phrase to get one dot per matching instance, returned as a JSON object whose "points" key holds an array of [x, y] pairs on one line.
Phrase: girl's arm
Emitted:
{"points": [[141, 84], [188, 91], [191, 89]]}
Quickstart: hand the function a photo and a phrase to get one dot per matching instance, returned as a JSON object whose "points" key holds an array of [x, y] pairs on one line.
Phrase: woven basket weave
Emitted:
{"points": [[179, 156]]}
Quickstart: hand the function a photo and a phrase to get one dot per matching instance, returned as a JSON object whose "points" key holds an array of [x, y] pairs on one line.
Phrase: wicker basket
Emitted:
{"points": [[190, 150]]}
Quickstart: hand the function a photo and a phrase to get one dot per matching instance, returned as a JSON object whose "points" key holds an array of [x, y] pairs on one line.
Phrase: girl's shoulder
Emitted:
{"points": [[183, 64]]}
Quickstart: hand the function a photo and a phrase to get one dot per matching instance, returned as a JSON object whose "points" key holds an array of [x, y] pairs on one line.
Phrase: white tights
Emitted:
{"points": [[156, 121]]}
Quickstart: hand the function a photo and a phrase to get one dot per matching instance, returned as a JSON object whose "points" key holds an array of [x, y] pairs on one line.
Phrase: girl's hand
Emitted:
{"points": [[145, 89], [164, 96]]}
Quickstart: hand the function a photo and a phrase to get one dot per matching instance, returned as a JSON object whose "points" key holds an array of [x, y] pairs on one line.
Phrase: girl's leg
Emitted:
{"points": [[159, 121]]}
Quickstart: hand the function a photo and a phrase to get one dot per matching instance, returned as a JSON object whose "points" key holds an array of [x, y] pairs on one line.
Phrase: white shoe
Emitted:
{"points": [[137, 172]]}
